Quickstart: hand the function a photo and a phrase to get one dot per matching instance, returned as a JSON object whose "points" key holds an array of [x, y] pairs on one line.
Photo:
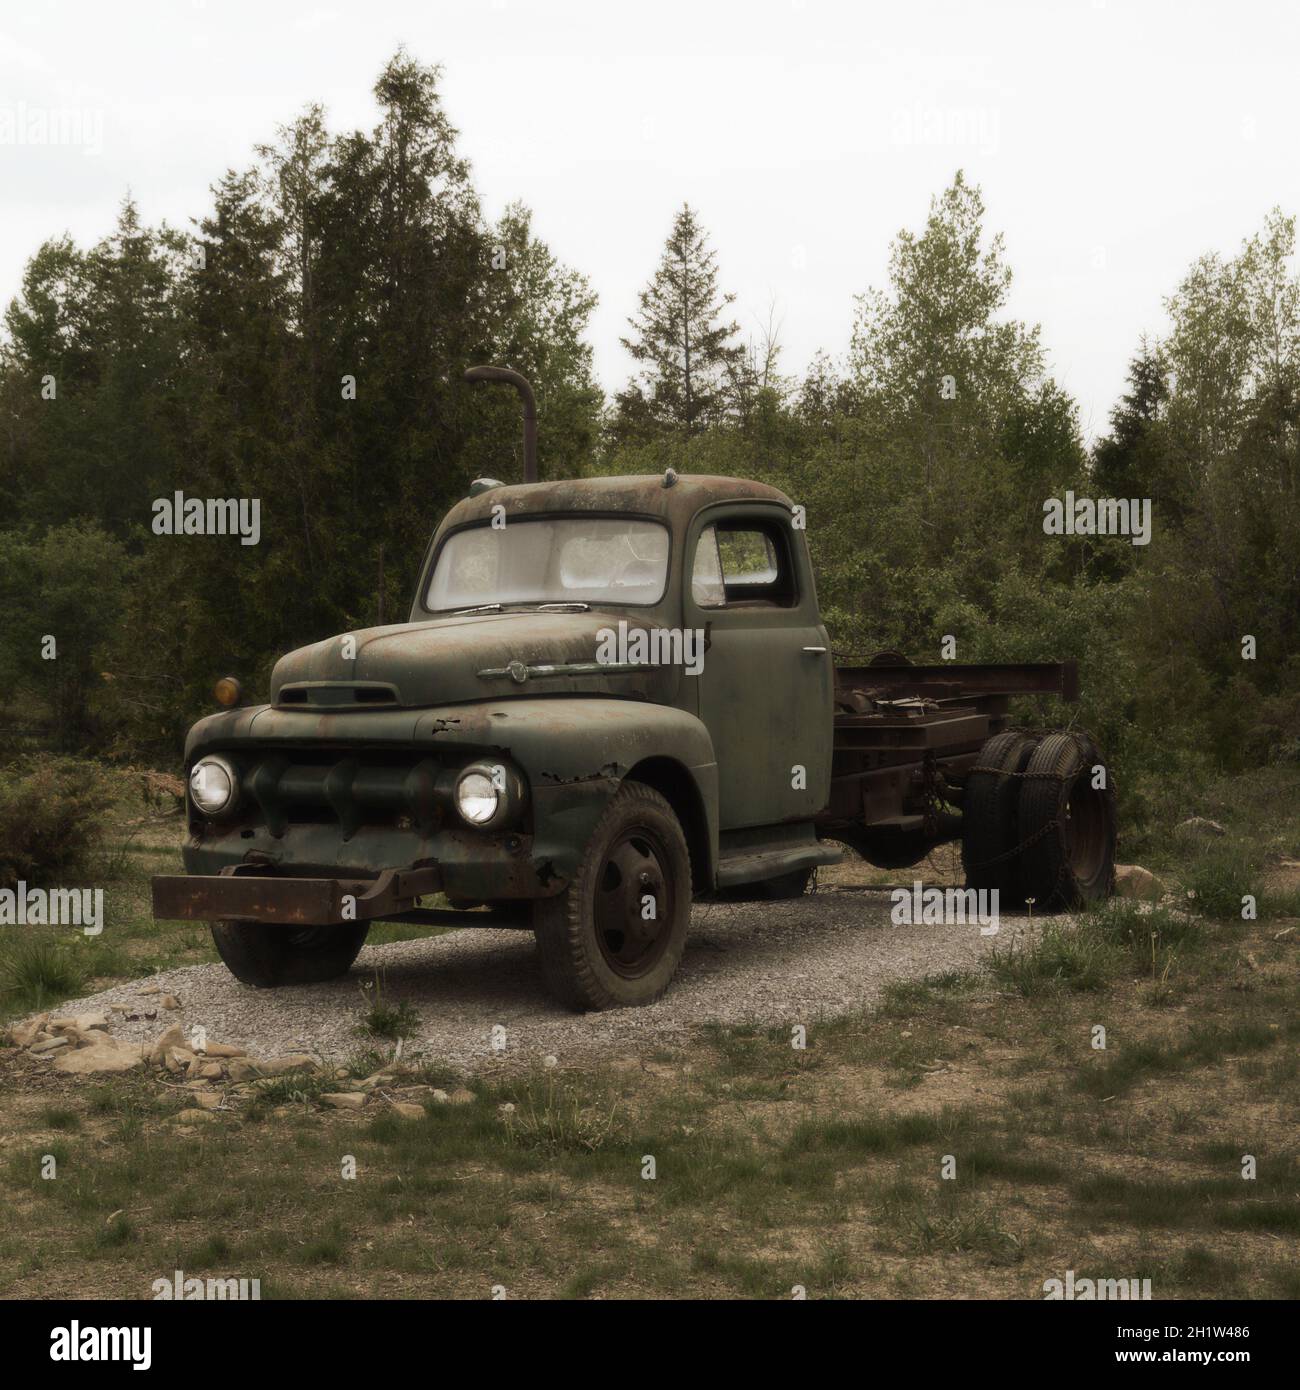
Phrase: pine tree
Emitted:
{"points": [[682, 339]]}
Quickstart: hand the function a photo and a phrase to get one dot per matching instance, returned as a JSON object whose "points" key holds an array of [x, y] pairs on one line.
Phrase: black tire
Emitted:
{"points": [[597, 950], [268, 956], [787, 886], [1066, 824], [989, 816]]}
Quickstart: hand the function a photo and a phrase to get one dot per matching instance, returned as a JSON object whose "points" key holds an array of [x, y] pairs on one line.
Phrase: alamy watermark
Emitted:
{"points": [[41, 127], [179, 515], [1085, 1290], [77, 1343], [919, 905], [21, 906], [655, 646], [1098, 516], [178, 1288]]}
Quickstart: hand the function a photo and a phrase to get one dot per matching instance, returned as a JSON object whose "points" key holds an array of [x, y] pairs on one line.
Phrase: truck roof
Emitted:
{"points": [[643, 493]]}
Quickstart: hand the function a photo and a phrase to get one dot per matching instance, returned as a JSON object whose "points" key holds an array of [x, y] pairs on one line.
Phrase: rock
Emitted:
{"points": [[60, 1025], [24, 1034], [194, 1117], [208, 1100], [211, 1071], [103, 1058], [294, 1061], [44, 1045], [1133, 881], [172, 1037], [397, 1068], [441, 1097], [343, 1100], [177, 1059], [340, 1073], [1200, 826], [151, 989], [461, 1096], [170, 1001], [224, 1050], [90, 1023], [408, 1110], [241, 1069]]}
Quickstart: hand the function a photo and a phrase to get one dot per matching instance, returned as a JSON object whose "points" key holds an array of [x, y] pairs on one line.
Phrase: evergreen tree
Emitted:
{"points": [[682, 340]]}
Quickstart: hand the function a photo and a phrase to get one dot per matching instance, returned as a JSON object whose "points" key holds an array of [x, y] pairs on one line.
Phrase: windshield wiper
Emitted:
{"points": [[565, 607]]}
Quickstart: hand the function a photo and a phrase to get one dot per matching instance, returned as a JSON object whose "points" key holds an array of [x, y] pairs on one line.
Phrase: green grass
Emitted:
{"points": [[390, 1019], [37, 972], [1220, 878], [1063, 957]]}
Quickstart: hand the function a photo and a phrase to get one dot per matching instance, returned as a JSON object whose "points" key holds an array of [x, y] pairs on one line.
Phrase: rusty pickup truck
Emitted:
{"points": [[612, 696]]}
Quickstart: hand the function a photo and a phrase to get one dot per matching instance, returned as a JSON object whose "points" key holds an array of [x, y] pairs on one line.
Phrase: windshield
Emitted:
{"points": [[547, 559]]}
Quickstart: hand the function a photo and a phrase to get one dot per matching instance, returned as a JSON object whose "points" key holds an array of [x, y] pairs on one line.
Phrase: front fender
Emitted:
{"points": [[576, 753]]}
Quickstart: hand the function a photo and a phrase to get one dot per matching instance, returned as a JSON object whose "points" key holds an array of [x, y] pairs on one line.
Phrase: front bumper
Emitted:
{"points": [[240, 893]]}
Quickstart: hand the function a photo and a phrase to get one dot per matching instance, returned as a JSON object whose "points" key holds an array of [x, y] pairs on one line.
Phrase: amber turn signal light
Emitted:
{"points": [[227, 690]]}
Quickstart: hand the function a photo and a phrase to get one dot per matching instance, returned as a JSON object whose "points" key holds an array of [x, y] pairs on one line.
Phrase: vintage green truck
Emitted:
{"points": [[612, 696]]}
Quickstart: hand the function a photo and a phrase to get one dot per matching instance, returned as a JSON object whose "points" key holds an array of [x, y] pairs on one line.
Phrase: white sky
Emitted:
{"points": [[1114, 140]]}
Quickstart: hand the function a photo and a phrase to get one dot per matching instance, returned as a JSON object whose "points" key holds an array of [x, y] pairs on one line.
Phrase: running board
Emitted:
{"points": [[755, 866]]}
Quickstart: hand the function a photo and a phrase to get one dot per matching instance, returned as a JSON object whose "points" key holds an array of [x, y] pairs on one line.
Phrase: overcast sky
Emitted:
{"points": [[1114, 140]]}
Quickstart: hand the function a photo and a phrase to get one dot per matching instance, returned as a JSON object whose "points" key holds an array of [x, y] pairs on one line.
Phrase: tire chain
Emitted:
{"points": [[1048, 826]]}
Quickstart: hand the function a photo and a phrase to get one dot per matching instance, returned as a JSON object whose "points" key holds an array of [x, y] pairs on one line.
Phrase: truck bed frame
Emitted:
{"points": [[905, 738]]}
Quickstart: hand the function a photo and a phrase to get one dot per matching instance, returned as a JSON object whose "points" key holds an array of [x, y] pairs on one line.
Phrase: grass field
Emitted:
{"points": [[967, 1138]]}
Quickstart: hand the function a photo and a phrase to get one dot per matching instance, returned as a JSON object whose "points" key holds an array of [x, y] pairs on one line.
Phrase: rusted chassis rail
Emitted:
{"points": [[906, 736]]}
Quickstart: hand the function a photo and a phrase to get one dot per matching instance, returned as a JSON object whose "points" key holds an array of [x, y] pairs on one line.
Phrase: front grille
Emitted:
{"points": [[357, 789]]}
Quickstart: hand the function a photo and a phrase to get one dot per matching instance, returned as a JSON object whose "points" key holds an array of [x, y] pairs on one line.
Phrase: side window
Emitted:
{"points": [[706, 577], [756, 566]]}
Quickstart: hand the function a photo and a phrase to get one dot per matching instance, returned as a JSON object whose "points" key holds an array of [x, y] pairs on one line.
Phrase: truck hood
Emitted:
{"points": [[453, 659]]}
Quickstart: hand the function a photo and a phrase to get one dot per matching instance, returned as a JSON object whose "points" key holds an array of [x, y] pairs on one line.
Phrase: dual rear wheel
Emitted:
{"points": [[1039, 820]]}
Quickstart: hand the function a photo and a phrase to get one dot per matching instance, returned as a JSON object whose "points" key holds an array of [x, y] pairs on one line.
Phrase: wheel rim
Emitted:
{"points": [[1085, 831], [634, 869]]}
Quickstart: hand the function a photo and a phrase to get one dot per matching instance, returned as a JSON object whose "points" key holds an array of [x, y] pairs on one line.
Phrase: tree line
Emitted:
{"points": [[303, 343]]}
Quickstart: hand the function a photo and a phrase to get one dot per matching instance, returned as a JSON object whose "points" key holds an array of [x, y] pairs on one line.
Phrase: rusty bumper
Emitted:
{"points": [[249, 897]]}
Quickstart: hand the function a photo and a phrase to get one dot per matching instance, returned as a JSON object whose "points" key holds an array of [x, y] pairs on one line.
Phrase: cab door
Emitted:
{"points": [[766, 687]]}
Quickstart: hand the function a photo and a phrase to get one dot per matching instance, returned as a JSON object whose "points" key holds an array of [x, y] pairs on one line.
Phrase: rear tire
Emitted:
{"points": [[990, 806], [597, 948], [1072, 824], [268, 956]]}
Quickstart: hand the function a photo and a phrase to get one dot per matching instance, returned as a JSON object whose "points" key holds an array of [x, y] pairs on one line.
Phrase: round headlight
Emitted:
{"points": [[214, 785], [478, 798]]}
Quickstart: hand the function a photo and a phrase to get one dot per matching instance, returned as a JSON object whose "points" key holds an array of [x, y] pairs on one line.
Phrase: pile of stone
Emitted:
{"points": [[83, 1046]]}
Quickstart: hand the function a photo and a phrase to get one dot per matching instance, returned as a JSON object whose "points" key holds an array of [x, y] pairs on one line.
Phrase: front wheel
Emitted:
{"points": [[613, 938], [269, 956]]}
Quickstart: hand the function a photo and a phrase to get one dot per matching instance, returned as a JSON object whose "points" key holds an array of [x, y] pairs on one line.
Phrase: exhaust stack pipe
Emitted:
{"points": [[520, 383]]}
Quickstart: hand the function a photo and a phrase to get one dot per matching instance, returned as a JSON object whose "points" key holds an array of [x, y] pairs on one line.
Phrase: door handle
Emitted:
{"points": [[817, 650]]}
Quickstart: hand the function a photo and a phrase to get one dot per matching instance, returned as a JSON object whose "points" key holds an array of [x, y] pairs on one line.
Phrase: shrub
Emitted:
{"points": [[51, 814]]}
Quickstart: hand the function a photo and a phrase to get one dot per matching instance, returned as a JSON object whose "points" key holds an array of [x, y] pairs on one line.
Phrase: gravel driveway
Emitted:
{"points": [[769, 963]]}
